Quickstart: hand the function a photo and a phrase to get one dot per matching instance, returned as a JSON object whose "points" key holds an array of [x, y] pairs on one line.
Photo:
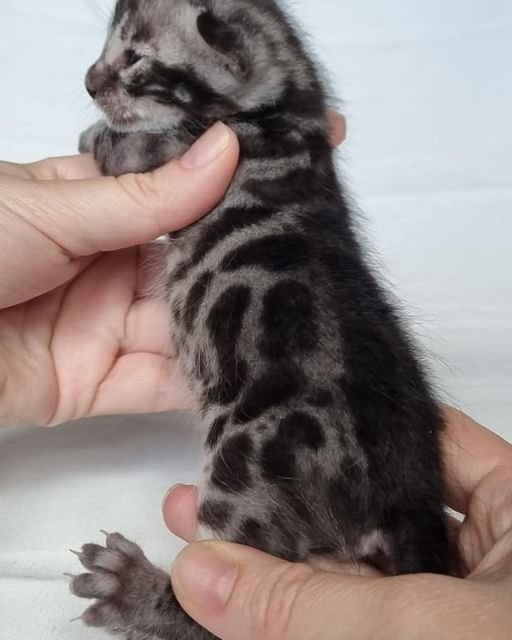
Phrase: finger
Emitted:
{"points": [[97, 375], [338, 127], [489, 517], [14, 170], [497, 563], [141, 383], [76, 167], [471, 452], [179, 509], [227, 587], [64, 168]]}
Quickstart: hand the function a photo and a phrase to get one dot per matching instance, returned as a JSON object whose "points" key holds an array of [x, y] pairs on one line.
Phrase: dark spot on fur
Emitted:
{"points": [[348, 497], [253, 533], [319, 398], [286, 538], [144, 31], [306, 102], [225, 322], [216, 514], [277, 385], [278, 253], [179, 272], [300, 428], [225, 39], [288, 321], [231, 385], [230, 221], [296, 186], [271, 144], [324, 550], [319, 147], [195, 298], [216, 431], [231, 467], [163, 84], [176, 311], [278, 461], [154, 152]]}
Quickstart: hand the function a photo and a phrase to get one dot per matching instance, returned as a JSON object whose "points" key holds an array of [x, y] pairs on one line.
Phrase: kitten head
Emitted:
{"points": [[172, 62]]}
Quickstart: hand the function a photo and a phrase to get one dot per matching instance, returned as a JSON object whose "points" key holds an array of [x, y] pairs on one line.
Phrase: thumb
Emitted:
{"points": [[54, 228], [85, 217], [235, 592]]}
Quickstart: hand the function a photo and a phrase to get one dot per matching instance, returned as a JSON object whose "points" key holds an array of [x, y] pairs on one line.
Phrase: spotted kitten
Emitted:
{"points": [[321, 432]]}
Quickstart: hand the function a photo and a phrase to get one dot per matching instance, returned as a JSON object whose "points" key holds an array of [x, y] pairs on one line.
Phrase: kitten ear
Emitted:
{"points": [[226, 40]]}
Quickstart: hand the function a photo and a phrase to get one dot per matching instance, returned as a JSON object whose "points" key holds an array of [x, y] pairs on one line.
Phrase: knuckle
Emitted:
{"points": [[279, 600], [44, 169], [141, 188]]}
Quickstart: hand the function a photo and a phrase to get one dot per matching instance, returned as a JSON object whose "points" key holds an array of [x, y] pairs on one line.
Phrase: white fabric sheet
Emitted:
{"points": [[428, 91]]}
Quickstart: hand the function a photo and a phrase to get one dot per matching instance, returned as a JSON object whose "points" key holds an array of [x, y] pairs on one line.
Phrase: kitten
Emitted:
{"points": [[321, 431]]}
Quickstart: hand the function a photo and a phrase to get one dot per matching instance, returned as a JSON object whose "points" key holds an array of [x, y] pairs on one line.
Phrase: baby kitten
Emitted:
{"points": [[321, 431]]}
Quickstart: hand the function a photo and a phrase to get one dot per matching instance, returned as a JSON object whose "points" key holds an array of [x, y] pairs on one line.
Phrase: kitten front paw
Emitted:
{"points": [[89, 137], [125, 584]]}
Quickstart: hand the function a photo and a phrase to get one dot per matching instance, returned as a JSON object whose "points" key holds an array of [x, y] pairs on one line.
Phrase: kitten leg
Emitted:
{"points": [[90, 137], [119, 153], [133, 597]]}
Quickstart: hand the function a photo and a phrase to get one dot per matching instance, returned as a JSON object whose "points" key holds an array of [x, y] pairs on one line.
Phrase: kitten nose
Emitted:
{"points": [[94, 81]]}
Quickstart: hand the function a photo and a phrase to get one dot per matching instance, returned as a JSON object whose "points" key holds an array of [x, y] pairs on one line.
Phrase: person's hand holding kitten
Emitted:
{"points": [[76, 340], [69, 278], [227, 587]]}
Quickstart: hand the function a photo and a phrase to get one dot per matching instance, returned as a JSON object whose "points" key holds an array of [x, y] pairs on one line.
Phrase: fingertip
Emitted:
{"points": [[338, 125], [179, 511]]}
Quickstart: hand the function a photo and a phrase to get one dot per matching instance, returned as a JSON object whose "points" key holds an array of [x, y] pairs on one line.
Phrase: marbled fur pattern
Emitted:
{"points": [[321, 431]]}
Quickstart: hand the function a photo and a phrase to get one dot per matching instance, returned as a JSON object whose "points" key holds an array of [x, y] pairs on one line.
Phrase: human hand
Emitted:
{"points": [[76, 339], [228, 588]]}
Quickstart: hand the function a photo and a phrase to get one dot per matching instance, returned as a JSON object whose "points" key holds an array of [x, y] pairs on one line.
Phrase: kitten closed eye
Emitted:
{"points": [[132, 57]]}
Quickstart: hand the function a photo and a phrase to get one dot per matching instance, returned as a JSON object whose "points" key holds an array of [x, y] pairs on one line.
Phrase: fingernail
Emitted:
{"points": [[209, 147], [204, 576]]}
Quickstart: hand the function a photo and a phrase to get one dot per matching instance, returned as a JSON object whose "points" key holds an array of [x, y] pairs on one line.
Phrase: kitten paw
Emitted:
{"points": [[126, 586], [89, 137]]}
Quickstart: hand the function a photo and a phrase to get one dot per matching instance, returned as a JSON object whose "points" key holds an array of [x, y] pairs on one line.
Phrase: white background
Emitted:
{"points": [[427, 87]]}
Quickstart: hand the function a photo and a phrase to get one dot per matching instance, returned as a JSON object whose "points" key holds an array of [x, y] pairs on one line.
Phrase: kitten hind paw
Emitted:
{"points": [[123, 582]]}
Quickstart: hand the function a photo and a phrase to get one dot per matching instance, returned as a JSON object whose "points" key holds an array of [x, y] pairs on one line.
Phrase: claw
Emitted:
{"points": [[76, 619], [105, 533], [69, 575], [75, 553]]}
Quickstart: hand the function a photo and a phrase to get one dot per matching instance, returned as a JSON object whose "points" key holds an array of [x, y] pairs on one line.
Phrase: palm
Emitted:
{"points": [[91, 347]]}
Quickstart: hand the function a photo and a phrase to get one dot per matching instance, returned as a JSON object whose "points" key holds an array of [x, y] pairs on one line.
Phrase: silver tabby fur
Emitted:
{"points": [[321, 432]]}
